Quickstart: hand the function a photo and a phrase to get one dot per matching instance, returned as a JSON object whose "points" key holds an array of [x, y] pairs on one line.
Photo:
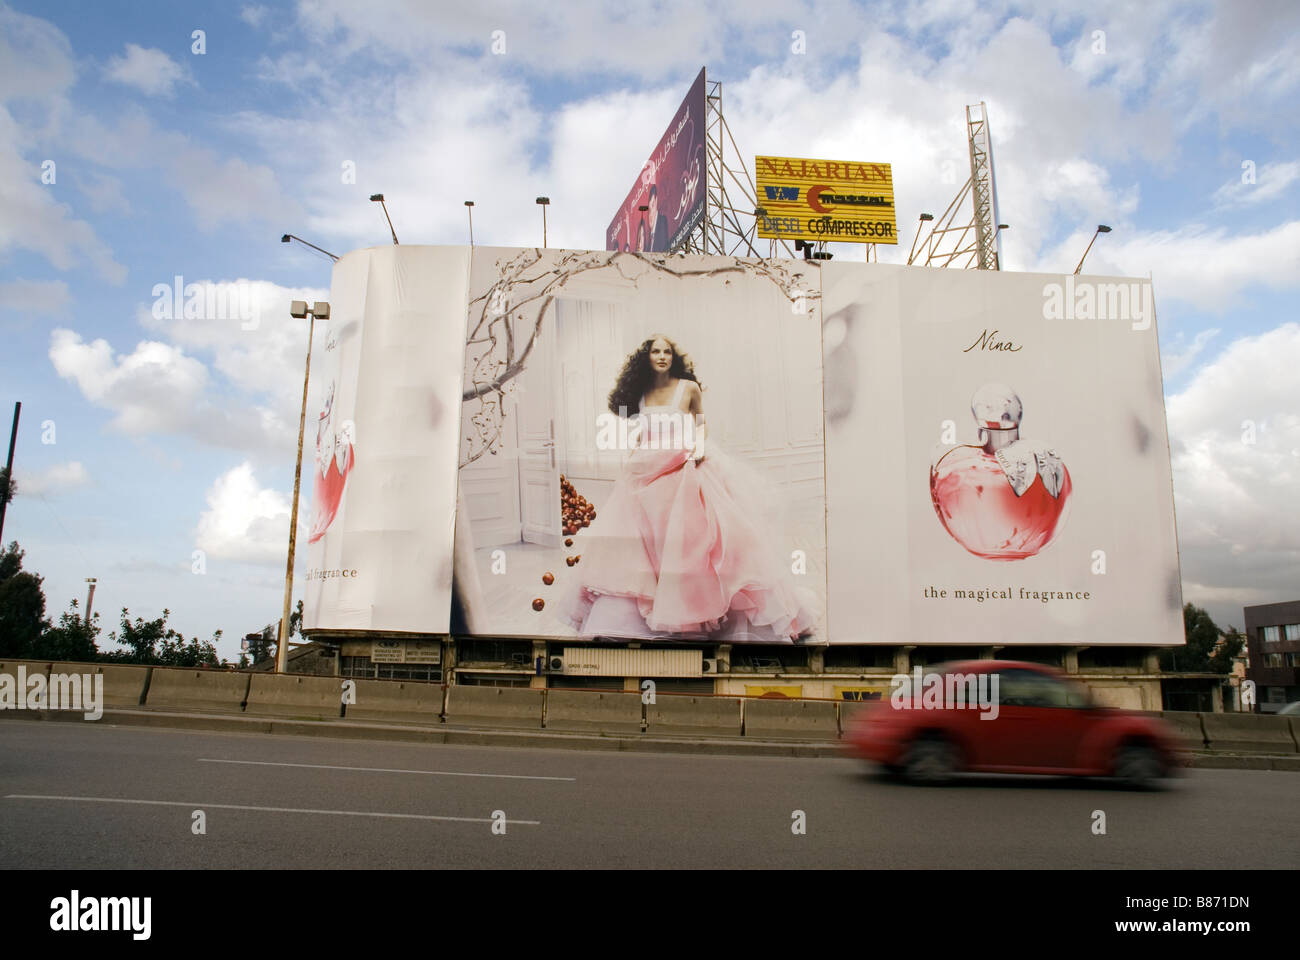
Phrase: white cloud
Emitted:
{"points": [[243, 521], [104, 192], [1206, 267], [1235, 442], [37, 69], [148, 70], [158, 389], [1180, 355], [1271, 181], [53, 480], [253, 14], [35, 296]]}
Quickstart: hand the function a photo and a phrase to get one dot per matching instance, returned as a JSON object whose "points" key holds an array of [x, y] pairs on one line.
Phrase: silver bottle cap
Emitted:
{"points": [[996, 407]]}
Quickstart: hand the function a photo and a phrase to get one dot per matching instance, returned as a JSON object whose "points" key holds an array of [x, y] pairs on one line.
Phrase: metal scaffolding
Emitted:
{"points": [[977, 242]]}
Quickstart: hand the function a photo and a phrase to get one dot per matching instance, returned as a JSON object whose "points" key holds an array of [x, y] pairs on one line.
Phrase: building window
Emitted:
{"points": [[424, 672], [356, 667], [1293, 659], [1274, 660], [491, 680], [1270, 635], [1292, 631]]}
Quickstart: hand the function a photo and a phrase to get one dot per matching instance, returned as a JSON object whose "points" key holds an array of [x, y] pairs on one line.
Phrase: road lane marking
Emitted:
{"points": [[197, 805], [428, 773]]}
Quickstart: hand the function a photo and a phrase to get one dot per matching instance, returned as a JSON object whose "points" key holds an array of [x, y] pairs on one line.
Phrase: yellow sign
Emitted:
{"points": [[861, 693], [774, 692], [842, 201]]}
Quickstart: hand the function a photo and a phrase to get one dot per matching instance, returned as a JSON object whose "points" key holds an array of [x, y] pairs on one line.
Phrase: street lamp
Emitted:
{"points": [[298, 310], [924, 217], [544, 202], [289, 236], [379, 199], [90, 596], [1101, 228], [469, 208]]}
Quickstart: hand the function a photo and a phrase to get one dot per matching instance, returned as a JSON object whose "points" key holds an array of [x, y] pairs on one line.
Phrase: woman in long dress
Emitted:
{"points": [[680, 550]]}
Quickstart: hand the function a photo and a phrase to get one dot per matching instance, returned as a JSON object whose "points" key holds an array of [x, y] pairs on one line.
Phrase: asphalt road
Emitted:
{"points": [[289, 802]]}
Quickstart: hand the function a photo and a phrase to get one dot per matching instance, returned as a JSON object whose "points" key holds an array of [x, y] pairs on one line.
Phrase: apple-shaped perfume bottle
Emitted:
{"points": [[333, 462], [1003, 499]]}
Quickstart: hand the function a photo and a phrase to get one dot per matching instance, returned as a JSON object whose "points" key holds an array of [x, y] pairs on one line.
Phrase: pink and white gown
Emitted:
{"points": [[680, 550]]}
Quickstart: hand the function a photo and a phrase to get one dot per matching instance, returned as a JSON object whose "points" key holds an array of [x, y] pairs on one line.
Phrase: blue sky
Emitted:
{"points": [[173, 435]]}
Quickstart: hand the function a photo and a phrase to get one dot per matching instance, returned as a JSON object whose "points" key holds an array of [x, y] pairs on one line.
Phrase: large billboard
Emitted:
{"points": [[671, 185], [719, 449], [845, 201]]}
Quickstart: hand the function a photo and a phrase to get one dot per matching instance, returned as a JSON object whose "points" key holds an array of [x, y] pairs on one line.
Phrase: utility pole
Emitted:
{"points": [[9, 472]]}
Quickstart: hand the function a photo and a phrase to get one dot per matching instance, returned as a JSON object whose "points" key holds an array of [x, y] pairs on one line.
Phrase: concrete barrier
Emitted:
{"points": [[1186, 726], [292, 695], [1248, 733], [124, 683], [791, 719], [678, 715], [205, 690], [593, 711], [33, 666], [849, 709], [403, 700], [495, 706]]}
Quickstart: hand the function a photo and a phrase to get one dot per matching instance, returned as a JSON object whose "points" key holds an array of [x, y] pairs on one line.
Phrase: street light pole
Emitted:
{"points": [[469, 208], [544, 202], [298, 310], [9, 471], [1101, 228]]}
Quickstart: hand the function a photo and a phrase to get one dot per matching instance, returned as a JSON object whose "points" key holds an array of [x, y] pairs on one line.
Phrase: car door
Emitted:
{"points": [[1057, 719]]}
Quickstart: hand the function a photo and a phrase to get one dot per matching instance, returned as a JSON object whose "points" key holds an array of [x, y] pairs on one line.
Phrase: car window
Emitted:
{"points": [[1027, 688]]}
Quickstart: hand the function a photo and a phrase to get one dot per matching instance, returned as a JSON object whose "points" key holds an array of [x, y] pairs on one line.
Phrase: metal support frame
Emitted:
{"points": [[726, 228], [977, 242]]}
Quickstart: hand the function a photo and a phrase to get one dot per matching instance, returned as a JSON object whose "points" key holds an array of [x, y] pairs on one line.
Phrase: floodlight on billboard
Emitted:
{"points": [[667, 201], [843, 201]]}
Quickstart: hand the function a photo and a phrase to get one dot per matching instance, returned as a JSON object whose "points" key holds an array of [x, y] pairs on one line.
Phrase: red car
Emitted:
{"points": [[1000, 716]]}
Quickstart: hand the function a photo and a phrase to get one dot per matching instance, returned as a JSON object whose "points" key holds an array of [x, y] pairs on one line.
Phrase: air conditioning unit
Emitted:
{"points": [[556, 664], [710, 666]]}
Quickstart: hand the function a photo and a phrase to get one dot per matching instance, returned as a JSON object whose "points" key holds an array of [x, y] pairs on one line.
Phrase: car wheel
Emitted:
{"points": [[930, 760], [1138, 766]]}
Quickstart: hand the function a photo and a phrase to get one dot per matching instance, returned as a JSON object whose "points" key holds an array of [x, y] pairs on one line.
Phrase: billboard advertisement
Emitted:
{"points": [[642, 450], [703, 448], [846, 201], [671, 185], [378, 457], [1014, 425]]}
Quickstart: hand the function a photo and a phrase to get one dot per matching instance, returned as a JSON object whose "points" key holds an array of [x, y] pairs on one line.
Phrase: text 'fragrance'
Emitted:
{"points": [[1003, 499]]}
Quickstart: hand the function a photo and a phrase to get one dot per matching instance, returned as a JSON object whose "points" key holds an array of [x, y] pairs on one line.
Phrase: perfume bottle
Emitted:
{"points": [[333, 463], [1003, 499]]}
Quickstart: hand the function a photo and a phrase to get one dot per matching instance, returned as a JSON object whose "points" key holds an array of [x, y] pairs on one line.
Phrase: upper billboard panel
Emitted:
{"points": [[671, 186], [383, 497], [641, 452], [997, 462], [837, 200]]}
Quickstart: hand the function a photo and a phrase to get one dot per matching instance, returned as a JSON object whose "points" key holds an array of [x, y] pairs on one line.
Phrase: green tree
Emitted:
{"points": [[72, 639], [22, 605], [153, 642], [1200, 654]]}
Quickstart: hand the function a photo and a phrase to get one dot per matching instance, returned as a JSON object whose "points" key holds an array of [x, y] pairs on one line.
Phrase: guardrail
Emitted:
{"points": [[578, 711]]}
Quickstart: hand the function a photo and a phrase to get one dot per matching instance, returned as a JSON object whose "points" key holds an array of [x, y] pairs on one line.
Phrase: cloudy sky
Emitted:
{"points": [[134, 150]]}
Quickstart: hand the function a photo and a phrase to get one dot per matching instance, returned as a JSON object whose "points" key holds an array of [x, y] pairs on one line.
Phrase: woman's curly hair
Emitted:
{"points": [[636, 377]]}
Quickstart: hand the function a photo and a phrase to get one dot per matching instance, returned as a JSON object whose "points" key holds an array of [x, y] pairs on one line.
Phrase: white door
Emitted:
{"points": [[539, 472]]}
